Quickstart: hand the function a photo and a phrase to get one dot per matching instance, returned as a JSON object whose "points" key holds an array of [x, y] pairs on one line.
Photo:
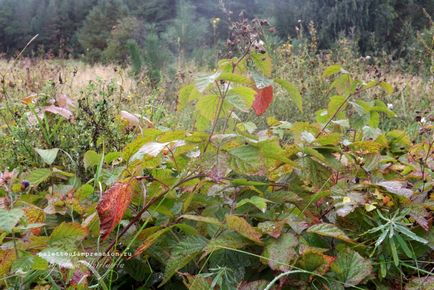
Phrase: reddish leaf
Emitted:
{"points": [[79, 278], [67, 114], [263, 99], [112, 207]]}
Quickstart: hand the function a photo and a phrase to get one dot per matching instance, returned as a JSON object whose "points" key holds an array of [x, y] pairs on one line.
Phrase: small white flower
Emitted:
{"points": [[368, 57], [389, 106], [423, 120]]}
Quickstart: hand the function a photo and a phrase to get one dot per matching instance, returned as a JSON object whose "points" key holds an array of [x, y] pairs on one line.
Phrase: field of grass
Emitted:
{"points": [[283, 170]]}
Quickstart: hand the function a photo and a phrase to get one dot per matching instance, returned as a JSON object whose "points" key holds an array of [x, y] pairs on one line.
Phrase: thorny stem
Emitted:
{"points": [[334, 115], [358, 91], [219, 110], [223, 96]]}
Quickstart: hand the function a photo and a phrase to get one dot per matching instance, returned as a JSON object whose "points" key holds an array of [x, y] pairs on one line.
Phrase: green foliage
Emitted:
{"points": [[126, 38], [337, 202], [10, 218], [96, 30], [136, 58]]}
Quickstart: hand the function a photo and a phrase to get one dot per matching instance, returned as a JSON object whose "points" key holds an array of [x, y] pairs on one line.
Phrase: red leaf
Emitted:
{"points": [[112, 207], [263, 99]]}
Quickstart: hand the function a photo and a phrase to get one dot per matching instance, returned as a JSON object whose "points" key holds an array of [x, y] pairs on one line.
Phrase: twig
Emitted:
{"points": [[359, 90], [223, 96]]}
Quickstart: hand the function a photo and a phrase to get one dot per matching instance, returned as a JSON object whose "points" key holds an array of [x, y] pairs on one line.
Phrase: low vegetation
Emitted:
{"points": [[281, 168]]}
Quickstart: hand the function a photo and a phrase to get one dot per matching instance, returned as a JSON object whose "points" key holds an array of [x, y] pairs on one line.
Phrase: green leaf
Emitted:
{"points": [[204, 219], [257, 201], [336, 103], [332, 70], [184, 252], [242, 227], [244, 159], [39, 263], [196, 282], [261, 81], [410, 234], [207, 106], [234, 78], [313, 259], [112, 156], [9, 218], [243, 181], [84, 191], [280, 253], [91, 159], [150, 240], [329, 230], [148, 135], [66, 234], [202, 123], [351, 268], [293, 92], [226, 240], [248, 127], [187, 229], [39, 175], [387, 87], [139, 270], [203, 80], [394, 252], [187, 94], [49, 155], [23, 263], [263, 63], [344, 85], [241, 98], [403, 244]]}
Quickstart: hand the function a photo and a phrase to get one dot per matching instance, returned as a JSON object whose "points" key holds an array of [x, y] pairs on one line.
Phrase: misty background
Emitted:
{"points": [[164, 31]]}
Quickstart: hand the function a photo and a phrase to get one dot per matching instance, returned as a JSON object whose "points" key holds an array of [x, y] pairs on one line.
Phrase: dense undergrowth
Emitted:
{"points": [[314, 173]]}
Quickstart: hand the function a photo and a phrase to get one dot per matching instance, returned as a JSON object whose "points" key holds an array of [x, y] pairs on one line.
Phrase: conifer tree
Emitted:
{"points": [[95, 33]]}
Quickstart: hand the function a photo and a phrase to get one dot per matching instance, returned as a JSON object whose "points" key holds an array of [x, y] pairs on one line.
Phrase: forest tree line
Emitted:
{"points": [[108, 30]]}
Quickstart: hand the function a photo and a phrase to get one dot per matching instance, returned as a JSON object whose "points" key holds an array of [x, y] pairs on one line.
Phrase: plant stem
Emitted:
{"points": [[223, 95], [283, 275]]}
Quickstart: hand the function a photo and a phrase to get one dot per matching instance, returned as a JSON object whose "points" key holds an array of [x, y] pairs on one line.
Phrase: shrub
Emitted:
{"points": [[334, 202]]}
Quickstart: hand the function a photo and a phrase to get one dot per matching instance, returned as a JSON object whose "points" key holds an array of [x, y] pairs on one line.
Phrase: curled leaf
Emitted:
{"points": [[112, 207], [131, 120], [396, 187], [329, 230], [67, 114]]}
